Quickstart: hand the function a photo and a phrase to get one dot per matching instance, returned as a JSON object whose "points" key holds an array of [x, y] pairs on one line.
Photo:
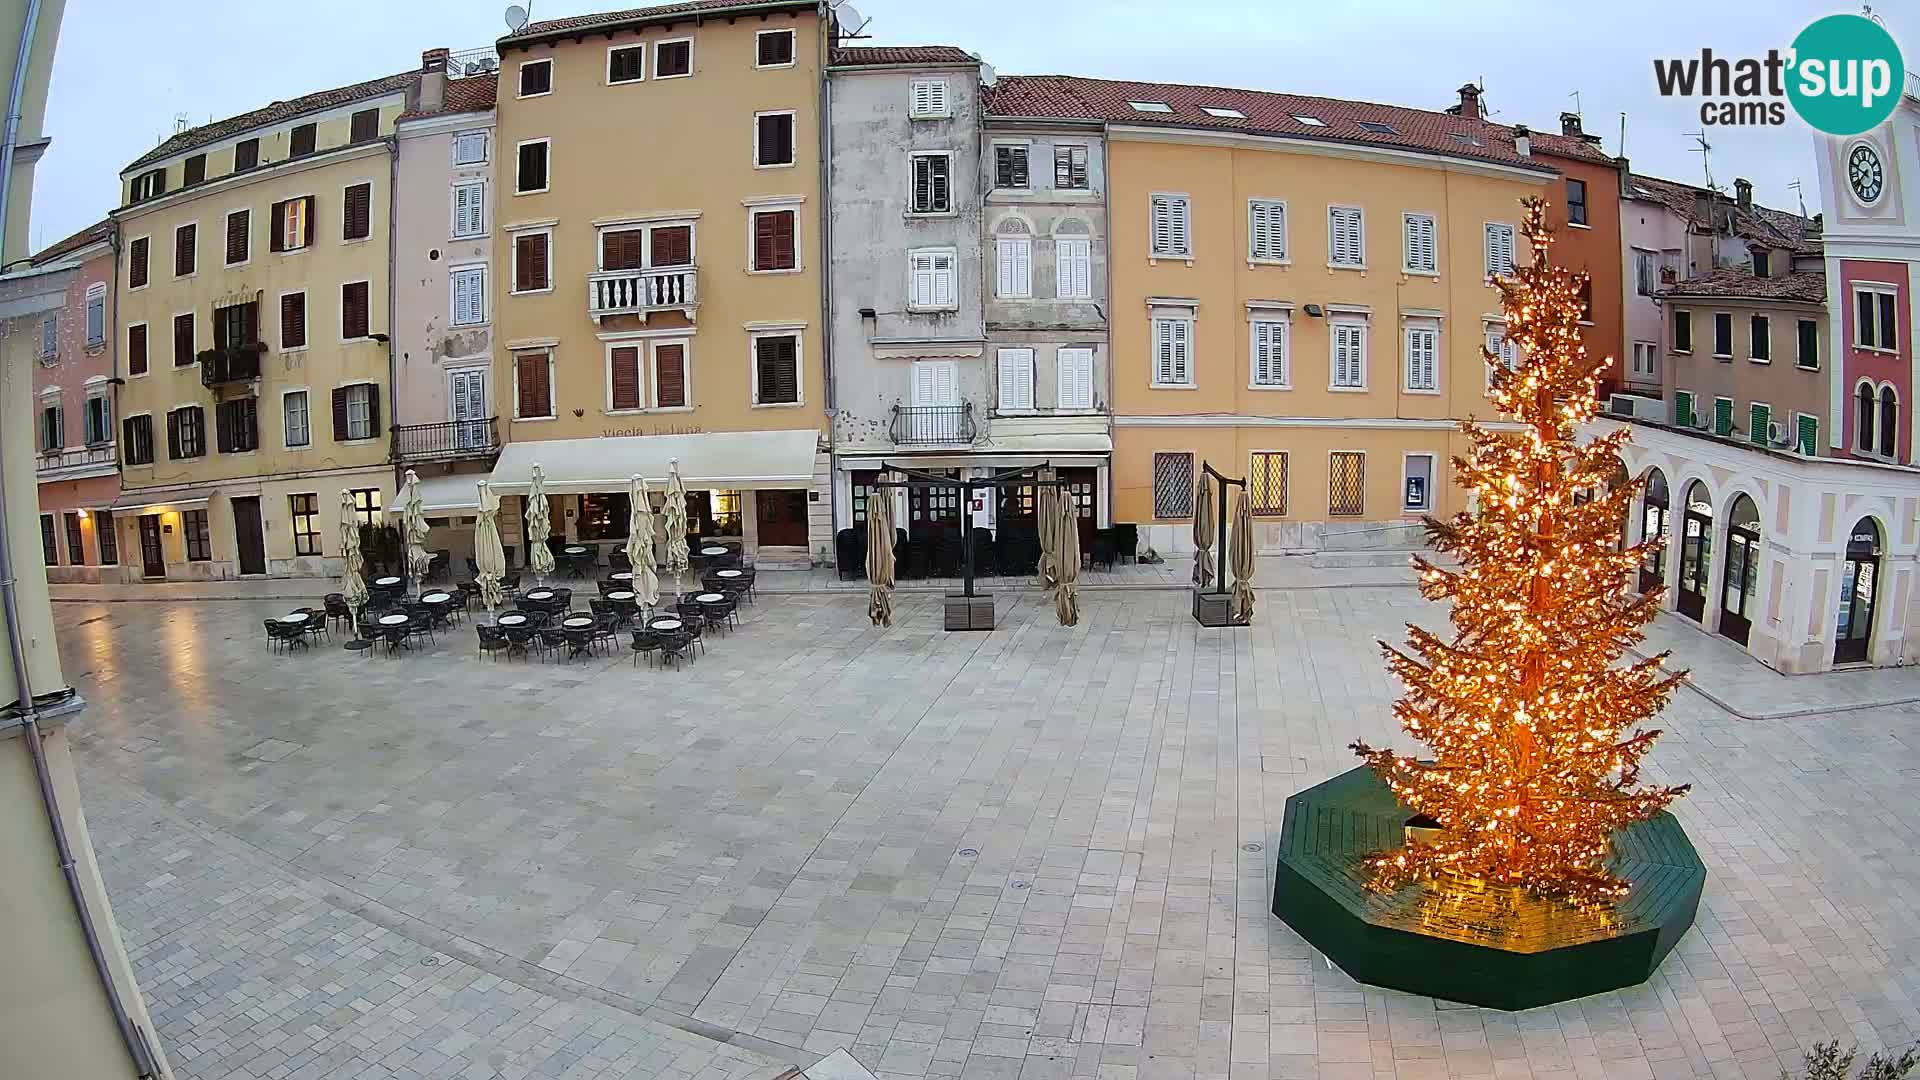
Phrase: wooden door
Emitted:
{"points": [[152, 563], [1696, 558], [781, 517], [247, 536]]}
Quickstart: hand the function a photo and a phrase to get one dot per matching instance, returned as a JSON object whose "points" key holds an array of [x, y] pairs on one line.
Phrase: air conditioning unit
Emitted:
{"points": [[1636, 407], [1620, 405], [1778, 436]]}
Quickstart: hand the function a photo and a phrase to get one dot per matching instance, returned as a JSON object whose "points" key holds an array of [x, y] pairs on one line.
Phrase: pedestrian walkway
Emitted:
{"points": [[1726, 675]]}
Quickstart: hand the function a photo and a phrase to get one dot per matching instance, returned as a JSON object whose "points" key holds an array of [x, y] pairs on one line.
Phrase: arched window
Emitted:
{"points": [[1071, 227], [1863, 419], [1013, 226], [1889, 421]]}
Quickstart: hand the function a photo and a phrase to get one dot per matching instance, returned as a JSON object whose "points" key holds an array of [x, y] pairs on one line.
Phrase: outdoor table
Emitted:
{"points": [[574, 549], [665, 624], [709, 598], [396, 619], [386, 582], [539, 594], [512, 620], [729, 574], [620, 575], [620, 595], [713, 551], [578, 622], [435, 598], [295, 617]]}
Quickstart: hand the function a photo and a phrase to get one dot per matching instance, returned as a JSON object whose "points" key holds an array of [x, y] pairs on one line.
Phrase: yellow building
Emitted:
{"points": [[1299, 297], [658, 252], [253, 318]]}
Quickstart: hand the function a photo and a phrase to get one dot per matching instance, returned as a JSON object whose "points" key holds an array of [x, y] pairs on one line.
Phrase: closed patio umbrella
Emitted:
{"points": [[646, 584], [539, 526], [488, 555], [675, 511], [880, 556], [1047, 517], [1202, 532], [413, 528], [1066, 595], [1240, 554], [354, 565]]}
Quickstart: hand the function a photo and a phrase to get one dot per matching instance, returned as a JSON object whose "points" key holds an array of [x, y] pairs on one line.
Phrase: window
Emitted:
{"points": [[137, 263], [669, 375], [1807, 337], [1499, 250], [49, 337], [931, 280], [366, 505], [1806, 432], [1172, 352], [1723, 416], [1349, 343], [1172, 485], [364, 126], [294, 419], [1645, 365], [1346, 483], [1172, 227], [353, 310], [1267, 483], [236, 324], [148, 185], [623, 378], [1423, 359], [193, 525], [184, 352], [301, 142], [103, 535], [96, 315], [1576, 201], [776, 369], [929, 99], [194, 171], [1760, 264], [293, 321], [1150, 106], [1418, 495], [246, 155], [1073, 267], [1070, 168], [1761, 329], [239, 227], [932, 187], [772, 139], [236, 426], [773, 48], [530, 262], [1875, 325], [1010, 166], [1376, 127], [469, 208], [356, 412], [1863, 418], [470, 148], [1016, 380], [1723, 334], [1076, 378], [670, 245], [137, 349], [627, 64], [1759, 416], [533, 385], [1889, 421], [1310, 121], [1346, 236], [186, 433], [356, 212], [1682, 331], [1683, 408], [1013, 267], [673, 59], [1646, 272], [53, 426], [76, 543], [774, 246], [304, 511], [97, 420], [530, 175], [1266, 230], [185, 248], [136, 440], [1422, 244], [1223, 112], [49, 552], [292, 224], [935, 383], [468, 286], [1270, 367], [1585, 297], [536, 78]]}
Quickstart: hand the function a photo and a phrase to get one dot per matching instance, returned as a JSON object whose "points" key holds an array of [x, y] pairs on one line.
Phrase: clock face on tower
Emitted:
{"points": [[1864, 174]]}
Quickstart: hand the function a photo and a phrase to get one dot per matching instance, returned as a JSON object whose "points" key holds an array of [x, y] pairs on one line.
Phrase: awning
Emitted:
{"points": [[139, 500], [455, 493], [1059, 444], [737, 460]]}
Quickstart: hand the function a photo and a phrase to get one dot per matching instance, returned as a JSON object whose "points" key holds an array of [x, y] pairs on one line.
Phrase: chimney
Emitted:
{"points": [[433, 80], [1469, 102], [1703, 209], [1522, 141], [1743, 192], [1570, 124]]}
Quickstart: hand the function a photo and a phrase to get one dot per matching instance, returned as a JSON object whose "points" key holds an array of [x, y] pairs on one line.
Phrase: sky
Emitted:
{"points": [[126, 70]]}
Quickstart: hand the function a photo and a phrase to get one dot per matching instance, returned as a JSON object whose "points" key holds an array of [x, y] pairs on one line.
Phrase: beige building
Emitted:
{"points": [[659, 257], [253, 323], [1745, 355]]}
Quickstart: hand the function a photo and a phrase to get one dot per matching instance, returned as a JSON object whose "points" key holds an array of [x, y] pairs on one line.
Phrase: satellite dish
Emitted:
{"points": [[987, 77], [516, 18], [845, 12]]}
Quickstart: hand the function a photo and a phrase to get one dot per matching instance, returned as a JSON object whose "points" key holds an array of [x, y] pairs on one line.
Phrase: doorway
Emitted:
{"points": [[1653, 525], [781, 517], [1696, 553], [247, 537], [152, 563], [1742, 575], [1853, 638]]}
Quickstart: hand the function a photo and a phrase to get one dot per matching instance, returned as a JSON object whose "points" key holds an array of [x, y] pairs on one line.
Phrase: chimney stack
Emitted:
{"points": [[1522, 140], [1469, 102], [1743, 192], [1570, 125], [433, 80]]}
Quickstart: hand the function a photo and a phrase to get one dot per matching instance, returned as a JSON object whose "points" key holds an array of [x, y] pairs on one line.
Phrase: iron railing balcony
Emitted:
{"points": [[933, 425], [642, 292], [231, 363], [99, 459], [447, 440]]}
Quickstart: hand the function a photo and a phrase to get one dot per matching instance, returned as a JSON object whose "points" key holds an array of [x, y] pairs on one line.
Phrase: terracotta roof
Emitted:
{"points": [[861, 55], [646, 14], [1577, 147], [1761, 224], [1802, 286], [93, 233], [473, 94], [1068, 97], [207, 134]]}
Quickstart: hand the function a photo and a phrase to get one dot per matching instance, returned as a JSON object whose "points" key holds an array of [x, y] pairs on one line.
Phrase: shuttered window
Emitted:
{"points": [[773, 48], [1422, 245], [1683, 408], [1266, 230], [1346, 236], [1758, 418], [183, 346], [1807, 434], [301, 143], [137, 349], [1013, 262], [1349, 355], [627, 65], [1267, 483], [1505, 351], [356, 412], [1346, 484], [353, 310], [773, 239], [293, 321], [1172, 485], [1173, 352], [1076, 378], [469, 208], [1499, 249], [1270, 340], [1010, 166], [1723, 416], [186, 433], [670, 376], [365, 126], [777, 367], [239, 227], [932, 183], [1423, 358], [931, 285], [292, 224], [929, 99], [137, 262], [672, 59], [530, 262], [623, 249], [357, 212], [671, 245], [1073, 268], [185, 249], [533, 390], [194, 170], [1016, 380], [536, 77], [1172, 227], [1070, 168], [468, 287], [136, 433], [935, 383], [246, 154], [773, 139], [530, 172], [624, 376]]}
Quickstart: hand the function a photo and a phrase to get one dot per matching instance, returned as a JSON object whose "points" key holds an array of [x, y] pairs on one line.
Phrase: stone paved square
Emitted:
{"points": [[1041, 852]]}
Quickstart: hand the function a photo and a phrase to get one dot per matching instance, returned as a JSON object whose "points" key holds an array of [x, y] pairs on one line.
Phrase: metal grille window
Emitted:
{"points": [[305, 510], [1346, 483], [1267, 483], [1173, 485], [193, 523]]}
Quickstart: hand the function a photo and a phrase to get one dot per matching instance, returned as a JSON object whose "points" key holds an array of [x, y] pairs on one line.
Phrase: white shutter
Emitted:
{"points": [[946, 381], [920, 281], [469, 209], [1422, 252], [1173, 343], [1073, 268], [1422, 359], [1076, 378], [1182, 237], [1016, 379], [1344, 244], [929, 97], [1349, 355], [933, 382], [1014, 266], [1270, 353], [1162, 225], [943, 280], [1499, 250], [1266, 229]]}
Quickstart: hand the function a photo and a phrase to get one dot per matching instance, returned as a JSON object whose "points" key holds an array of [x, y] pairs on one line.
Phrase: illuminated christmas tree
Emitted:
{"points": [[1533, 768]]}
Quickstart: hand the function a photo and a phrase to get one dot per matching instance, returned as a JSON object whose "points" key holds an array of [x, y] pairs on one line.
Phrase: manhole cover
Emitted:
{"points": [[431, 961], [1250, 847], [1019, 884], [968, 853]]}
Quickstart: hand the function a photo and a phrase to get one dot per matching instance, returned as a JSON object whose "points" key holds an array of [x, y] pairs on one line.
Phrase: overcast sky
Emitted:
{"points": [[126, 69]]}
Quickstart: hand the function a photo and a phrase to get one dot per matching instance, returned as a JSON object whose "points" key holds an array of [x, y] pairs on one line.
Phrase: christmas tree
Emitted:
{"points": [[1533, 768]]}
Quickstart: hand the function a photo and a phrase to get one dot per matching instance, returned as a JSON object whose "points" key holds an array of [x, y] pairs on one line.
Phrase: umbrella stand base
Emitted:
{"points": [[970, 612], [1214, 609]]}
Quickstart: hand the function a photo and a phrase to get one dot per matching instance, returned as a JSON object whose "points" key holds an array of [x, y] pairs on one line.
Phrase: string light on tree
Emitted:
{"points": [[1536, 749]]}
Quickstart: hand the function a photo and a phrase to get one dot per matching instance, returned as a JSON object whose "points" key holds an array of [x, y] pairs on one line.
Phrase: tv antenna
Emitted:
{"points": [[180, 122], [517, 17], [1800, 194], [1704, 149], [1576, 104]]}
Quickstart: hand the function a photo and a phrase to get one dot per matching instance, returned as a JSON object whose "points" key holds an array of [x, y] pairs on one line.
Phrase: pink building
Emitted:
{"points": [[78, 464]]}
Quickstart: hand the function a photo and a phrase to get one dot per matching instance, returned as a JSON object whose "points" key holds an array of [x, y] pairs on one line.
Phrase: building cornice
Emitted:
{"points": [[442, 122], [1431, 159], [232, 181], [1363, 423]]}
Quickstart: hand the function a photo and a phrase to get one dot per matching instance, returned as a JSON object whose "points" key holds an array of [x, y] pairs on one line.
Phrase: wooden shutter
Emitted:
{"points": [[340, 414], [137, 263], [625, 361], [238, 225], [356, 213], [365, 125], [250, 322], [530, 262], [353, 310], [293, 320], [173, 433], [1014, 266], [672, 245], [1422, 250], [223, 427], [1422, 363], [773, 240], [778, 365], [373, 410], [137, 349], [277, 227], [183, 351], [622, 249], [531, 385], [1269, 353], [669, 376], [1016, 378], [184, 242], [302, 141]]}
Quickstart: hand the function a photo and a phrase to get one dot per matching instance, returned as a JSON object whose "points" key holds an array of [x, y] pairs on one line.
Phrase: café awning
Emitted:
{"points": [[456, 493], [735, 460]]}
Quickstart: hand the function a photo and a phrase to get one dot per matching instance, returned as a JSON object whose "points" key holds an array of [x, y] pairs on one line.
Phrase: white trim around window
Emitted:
{"points": [[1352, 255], [280, 321], [1890, 292], [132, 240], [475, 211], [606, 73], [1420, 243], [226, 227], [785, 205], [1348, 334], [1172, 352], [475, 311], [793, 141], [520, 76], [1177, 211], [1407, 506], [1073, 371], [547, 141], [513, 271], [174, 255], [688, 74], [286, 441], [936, 279], [1267, 241], [793, 49], [796, 331], [1421, 348], [1269, 348], [486, 147]]}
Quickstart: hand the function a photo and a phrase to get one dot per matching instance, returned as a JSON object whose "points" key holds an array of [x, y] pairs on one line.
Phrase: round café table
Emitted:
{"points": [[620, 575], [709, 598], [512, 620], [578, 622], [713, 551], [295, 618], [730, 575], [386, 582], [395, 619], [666, 622], [574, 549], [620, 596], [436, 598], [538, 595]]}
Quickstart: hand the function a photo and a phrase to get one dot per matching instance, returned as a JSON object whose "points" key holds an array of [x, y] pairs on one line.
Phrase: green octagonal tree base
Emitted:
{"points": [[1493, 946]]}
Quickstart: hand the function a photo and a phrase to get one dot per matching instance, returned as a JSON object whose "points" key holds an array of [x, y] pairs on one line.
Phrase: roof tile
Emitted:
{"points": [[207, 134], [93, 233], [616, 18], [474, 94], [858, 56], [1802, 286], [1776, 228]]}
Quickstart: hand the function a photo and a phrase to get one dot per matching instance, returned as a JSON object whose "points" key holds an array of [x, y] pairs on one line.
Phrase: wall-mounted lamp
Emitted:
{"points": [[1313, 311], [869, 313]]}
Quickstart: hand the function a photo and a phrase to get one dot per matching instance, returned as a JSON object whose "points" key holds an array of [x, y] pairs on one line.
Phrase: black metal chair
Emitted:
{"points": [[1104, 550], [645, 642], [492, 639], [276, 633], [850, 553], [717, 613], [579, 641], [337, 609], [1126, 542], [439, 564], [520, 637], [674, 646], [551, 641], [617, 560], [396, 636]]}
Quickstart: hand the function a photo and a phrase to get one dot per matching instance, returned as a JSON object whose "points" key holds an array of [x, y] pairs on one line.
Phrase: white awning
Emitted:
{"points": [[1061, 444], [455, 493], [737, 460], [135, 500]]}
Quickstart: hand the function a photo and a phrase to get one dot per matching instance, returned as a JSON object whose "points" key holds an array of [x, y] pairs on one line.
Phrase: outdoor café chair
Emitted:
{"points": [[337, 609], [492, 638], [551, 640], [579, 642], [645, 642]]}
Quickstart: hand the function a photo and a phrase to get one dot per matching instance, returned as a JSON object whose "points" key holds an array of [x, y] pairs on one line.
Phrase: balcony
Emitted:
{"points": [[100, 459], [933, 425], [231, 364], [447, 441], [642, 292]]}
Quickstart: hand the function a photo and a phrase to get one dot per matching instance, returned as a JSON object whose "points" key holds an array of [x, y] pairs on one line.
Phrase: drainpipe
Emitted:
{"points": [[830, 24], [145, 1064]]}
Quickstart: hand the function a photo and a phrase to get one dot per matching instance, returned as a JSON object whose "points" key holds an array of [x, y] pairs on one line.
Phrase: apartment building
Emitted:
{"points": [[658, 237], [253, 323], [78, 464], [1746, 350]]}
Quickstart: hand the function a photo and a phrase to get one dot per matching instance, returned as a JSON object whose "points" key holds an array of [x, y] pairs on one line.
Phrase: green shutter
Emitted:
{"points": [[1760, 416], [1723, 416], [1682, 409], [1808, 435]]}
